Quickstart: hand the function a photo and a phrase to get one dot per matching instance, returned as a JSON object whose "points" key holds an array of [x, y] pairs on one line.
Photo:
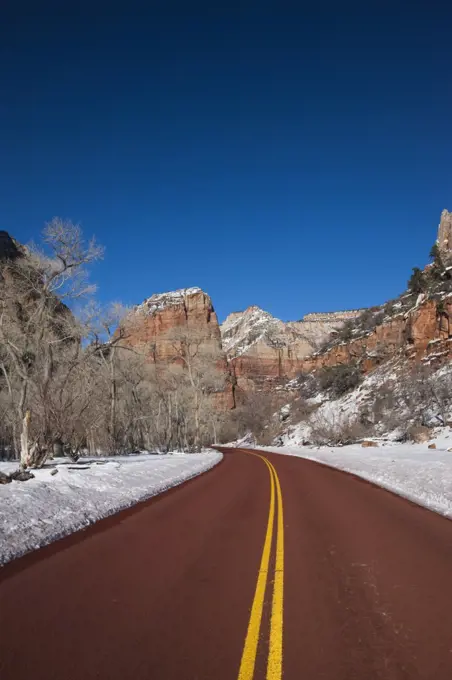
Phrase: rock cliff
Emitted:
{"points": [[162, 323], [318, 327], [423, 333], [263, 350], [154, 323]]}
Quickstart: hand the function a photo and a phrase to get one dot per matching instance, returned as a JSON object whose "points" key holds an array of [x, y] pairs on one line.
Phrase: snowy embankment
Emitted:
{"points": [[48, 507], [413, 471]]}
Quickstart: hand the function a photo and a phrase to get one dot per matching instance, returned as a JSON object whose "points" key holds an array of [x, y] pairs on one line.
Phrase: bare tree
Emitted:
{"points": [[202, 374], [37, 327]]}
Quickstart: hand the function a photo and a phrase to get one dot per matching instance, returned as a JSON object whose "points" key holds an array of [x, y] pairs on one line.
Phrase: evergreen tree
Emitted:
{"points": [[437, 269], [435, 253], [417, 283]]}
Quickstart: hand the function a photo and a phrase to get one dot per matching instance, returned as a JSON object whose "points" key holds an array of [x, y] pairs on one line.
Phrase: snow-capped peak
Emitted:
{"points": [[240, 330], [159, 301]]}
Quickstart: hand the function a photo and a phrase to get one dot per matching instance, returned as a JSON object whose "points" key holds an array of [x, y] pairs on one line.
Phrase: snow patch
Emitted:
{"points": [[413, 471], [37, 512]]}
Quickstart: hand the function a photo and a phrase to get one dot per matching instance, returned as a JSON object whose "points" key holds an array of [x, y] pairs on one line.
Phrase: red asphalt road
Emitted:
{"points": [[164, 591]]}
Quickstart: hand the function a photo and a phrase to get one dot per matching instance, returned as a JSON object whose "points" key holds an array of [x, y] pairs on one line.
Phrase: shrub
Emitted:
{"points": [[418, 434], [435, 255], [417, 283], [337, 432], [300, 410], [308, 385], [345, 333], [339, 379]]}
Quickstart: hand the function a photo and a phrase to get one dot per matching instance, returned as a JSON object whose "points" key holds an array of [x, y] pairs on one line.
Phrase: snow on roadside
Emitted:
{"points": [[413, 471], [48, 507]]}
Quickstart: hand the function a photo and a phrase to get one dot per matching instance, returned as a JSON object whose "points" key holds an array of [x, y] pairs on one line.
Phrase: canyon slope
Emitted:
{"points": [[263, 351]]}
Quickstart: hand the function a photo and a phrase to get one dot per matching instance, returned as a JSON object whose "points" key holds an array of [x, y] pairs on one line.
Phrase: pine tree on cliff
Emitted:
{"points": [[435, 254], [417, 283], [438, 267]]}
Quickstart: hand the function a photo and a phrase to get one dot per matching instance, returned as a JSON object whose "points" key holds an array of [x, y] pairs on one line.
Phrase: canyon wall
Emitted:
{"points": [[424, 333]]}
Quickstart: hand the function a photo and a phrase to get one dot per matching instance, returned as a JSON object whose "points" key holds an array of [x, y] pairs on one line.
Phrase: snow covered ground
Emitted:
{"points": [[48, 507], [413, 471]]}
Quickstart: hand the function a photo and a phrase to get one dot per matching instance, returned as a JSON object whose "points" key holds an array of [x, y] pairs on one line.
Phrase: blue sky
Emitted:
{"points": [[297, 159]]}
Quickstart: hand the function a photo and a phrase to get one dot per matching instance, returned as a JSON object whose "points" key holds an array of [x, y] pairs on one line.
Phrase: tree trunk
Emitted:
{"points": [[24, 443], [196, 421], [113, 400]]}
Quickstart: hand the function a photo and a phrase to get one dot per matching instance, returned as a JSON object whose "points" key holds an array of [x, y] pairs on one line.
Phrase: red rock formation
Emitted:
{"points": [[159, 324], [152, 324]]}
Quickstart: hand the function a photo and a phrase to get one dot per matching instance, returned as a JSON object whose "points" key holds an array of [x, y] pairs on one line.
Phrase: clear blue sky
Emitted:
{"points": [[294, 159]]}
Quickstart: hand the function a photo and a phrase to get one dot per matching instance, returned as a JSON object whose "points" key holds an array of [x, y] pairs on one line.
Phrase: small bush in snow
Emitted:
{"points": [[339, 379], [308, 385], [337, 431], [419, 434]]}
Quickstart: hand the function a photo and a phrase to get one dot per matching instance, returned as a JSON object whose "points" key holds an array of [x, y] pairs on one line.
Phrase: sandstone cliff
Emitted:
{"points": [[318, 327], [423, 333], [152, 324]]}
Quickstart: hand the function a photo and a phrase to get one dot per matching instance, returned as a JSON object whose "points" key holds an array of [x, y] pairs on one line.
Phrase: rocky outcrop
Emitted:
{"points": [[445, 232], [263, 350]]}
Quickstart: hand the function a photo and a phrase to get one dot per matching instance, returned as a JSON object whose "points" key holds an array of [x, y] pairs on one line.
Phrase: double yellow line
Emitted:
{"points": [[274, 662]]}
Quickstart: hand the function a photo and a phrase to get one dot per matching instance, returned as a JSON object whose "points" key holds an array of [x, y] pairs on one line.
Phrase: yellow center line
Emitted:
{"points": [[275, 654], [248, 662], [274, 664]]}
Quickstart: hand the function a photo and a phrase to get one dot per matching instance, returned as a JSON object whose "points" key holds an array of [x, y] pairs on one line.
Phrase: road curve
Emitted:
{"points": [[265, 567]]}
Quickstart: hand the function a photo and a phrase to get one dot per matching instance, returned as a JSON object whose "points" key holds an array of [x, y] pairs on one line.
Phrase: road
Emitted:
{"points": [[265, 567]]}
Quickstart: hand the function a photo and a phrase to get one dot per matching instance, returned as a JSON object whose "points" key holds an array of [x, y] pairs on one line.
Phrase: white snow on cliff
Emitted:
{"points": [[160, 301], [241, 330]]}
